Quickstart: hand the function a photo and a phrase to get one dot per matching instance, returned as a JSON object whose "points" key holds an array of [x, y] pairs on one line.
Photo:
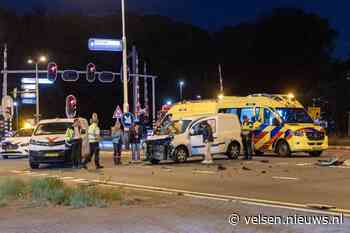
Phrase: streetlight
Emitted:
{"points": [[41, 59], [181, 84]]}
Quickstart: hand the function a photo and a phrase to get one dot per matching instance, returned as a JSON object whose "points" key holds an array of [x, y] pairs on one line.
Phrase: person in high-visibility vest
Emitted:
{"points": [[247, 136], [74, 141], [94, 140]]}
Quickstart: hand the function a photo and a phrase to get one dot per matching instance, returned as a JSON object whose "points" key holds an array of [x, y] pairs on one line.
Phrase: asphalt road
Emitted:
{"points": [[281, 183], [291, 180]]}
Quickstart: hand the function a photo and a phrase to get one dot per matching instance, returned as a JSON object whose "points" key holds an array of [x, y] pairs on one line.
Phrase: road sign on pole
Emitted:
{"points": [[118, 114], [105, 45], [128, 120]]}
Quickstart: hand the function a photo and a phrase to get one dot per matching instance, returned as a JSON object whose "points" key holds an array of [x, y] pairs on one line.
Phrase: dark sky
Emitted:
{"points": [[209, 14]]}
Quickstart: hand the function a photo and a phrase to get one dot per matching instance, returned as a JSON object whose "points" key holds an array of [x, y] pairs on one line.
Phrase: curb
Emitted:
{"points": [[340, 147]]}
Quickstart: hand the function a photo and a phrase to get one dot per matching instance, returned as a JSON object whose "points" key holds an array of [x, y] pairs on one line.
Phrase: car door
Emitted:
{"points": [[219, 144], [196, 140]]}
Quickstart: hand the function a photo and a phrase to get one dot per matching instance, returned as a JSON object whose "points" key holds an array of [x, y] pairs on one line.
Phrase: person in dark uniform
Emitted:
{"points": [[247, 136]]}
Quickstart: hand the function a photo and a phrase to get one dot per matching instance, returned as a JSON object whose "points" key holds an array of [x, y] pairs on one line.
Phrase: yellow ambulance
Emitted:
{"points": [[281, 123]]}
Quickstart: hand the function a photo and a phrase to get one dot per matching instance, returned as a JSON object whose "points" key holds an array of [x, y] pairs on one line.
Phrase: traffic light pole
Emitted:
{"points": [[125, 62], [37, 112], [4, 84]]}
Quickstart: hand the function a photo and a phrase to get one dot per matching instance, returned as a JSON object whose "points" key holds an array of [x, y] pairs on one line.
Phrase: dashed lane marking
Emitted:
{"points": [[284, 178]]}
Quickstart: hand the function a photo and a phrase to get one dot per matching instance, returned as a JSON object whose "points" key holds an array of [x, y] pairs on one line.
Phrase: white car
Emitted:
{"points": [[47, 145], [182, 139], [17, 145]]}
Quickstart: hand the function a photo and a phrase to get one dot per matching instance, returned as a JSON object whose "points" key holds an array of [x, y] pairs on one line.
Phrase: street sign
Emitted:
{"points": [[118, 114], [105, 45], [29, 101], [32, 81], [128, 120]]}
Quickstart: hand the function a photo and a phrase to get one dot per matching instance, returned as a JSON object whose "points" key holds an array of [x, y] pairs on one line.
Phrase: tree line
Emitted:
{"points": [[287, 50]]}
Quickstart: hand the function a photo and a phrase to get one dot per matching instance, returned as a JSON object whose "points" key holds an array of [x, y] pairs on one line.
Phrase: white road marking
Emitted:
{"points": [[284, 178], [304, 164], [67, 178], [204, 172]]}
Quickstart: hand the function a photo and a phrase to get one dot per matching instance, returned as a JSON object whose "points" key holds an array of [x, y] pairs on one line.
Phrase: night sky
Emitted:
{"points": [[208, 14]]}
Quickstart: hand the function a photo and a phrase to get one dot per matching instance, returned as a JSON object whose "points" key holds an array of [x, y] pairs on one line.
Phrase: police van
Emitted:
{"points": [[281, 123]]}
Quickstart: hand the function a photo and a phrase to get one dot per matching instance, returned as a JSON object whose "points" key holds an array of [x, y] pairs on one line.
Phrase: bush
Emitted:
{"points": [[48, 190], [11, 188], [54, 191]]}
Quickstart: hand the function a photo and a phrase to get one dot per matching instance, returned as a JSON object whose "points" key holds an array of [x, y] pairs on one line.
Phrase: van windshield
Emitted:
{"points": [[177, 127], [52, 128], [294, 115]]}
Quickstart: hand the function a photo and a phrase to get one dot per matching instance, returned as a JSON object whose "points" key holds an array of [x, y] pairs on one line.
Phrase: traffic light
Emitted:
{"points": [[71, 106], [52, 71], [90, 72]]}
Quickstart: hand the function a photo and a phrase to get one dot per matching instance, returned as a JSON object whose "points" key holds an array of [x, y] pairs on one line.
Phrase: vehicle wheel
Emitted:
{"points": [[234, 150], [154, 161], [283, 149], [259, 153], [5, 157], [180, 154], [315, 153], [33, 165]]}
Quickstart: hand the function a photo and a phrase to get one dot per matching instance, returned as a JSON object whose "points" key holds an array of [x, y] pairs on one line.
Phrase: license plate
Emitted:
{"points": [[316, 148], [52, 154]]}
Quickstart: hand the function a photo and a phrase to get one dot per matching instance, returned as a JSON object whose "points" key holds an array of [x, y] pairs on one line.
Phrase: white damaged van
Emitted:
{"points": [[180, 139]]}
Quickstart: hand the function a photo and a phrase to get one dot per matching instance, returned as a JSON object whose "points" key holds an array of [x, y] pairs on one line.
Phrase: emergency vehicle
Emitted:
{"points": [[281, 123], [47, 144]]}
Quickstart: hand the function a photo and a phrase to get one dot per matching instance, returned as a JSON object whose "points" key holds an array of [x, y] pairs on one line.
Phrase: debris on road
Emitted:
{"points": [[329, 162], [221, 167], [263, 172], [347, 163], [320, 206], [246, 168], [265, 161]]}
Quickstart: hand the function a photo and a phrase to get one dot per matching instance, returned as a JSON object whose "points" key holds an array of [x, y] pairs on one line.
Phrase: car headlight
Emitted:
{"points": [[298, 133]]}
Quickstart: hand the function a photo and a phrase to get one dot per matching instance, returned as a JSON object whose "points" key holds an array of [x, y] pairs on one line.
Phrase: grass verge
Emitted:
{"points": [[52, 191]]}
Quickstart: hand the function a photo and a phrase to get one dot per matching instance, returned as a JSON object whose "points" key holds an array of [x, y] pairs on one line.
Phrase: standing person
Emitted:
{"points": [[208, 140], [247, 135], [74, 141], [94, 139], [117, 139], [135, 141]]}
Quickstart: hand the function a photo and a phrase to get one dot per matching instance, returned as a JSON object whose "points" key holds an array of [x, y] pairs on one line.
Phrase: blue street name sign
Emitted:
{"points": [[105, 45]]}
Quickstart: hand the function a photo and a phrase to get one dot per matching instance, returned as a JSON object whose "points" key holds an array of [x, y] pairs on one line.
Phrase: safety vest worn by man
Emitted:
{"points": [[69, 136], [247, 128], [94, 133]]}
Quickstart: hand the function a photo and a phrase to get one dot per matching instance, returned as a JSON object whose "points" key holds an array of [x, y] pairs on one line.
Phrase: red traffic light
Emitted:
{"points": [[52, 71], [90, 72]]}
